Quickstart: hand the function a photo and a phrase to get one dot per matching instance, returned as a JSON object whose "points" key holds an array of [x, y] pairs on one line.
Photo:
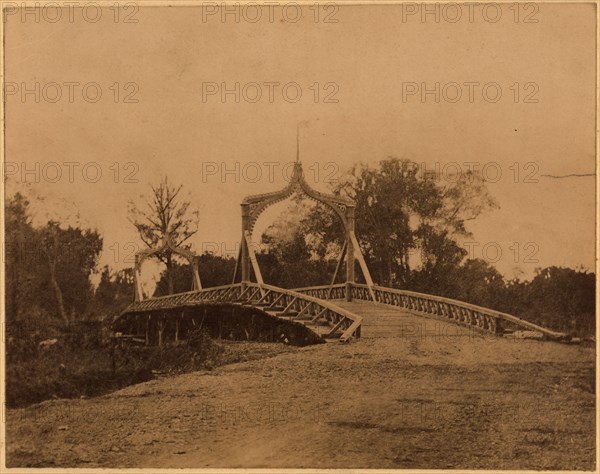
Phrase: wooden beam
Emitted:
{"points": [[264, 296], [244, 292], [161, 328], [276, 300], [290, 305], [363, 265], [197, 283], [318, 315], [304, 310], [256, 290], [237, 262], [252, 255], [337, 326], [337, 268]]}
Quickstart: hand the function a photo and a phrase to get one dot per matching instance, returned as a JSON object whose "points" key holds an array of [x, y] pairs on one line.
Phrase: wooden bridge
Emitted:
{"points": [[328, 312], [342, 311]]}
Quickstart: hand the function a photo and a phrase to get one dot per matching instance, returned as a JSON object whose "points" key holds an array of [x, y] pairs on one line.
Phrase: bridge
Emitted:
{"points": [[331, 312]]}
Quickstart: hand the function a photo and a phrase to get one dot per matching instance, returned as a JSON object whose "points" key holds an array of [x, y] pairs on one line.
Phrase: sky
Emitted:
{"points": [[96, 109]]}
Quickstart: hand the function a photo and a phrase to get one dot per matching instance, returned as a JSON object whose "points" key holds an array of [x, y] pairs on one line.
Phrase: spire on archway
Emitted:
{"points": [[297, 184]]}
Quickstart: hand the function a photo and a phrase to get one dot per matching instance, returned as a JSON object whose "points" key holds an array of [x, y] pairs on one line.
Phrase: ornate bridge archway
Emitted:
{"points": [[253, 206]]}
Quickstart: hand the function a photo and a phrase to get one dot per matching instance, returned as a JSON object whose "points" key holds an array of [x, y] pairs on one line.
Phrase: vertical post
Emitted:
{"points": [[349, 252], [148, 331], [161, 328], [252, 257], [237, 262], [137, 280], [245, 254], [337, 269], [197, 283]]}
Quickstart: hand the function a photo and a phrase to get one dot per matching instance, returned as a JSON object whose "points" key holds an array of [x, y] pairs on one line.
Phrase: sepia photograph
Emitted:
{"points": [[305, 236]]}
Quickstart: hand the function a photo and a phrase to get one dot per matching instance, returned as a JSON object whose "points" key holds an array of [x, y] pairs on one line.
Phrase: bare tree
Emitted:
{"points": [[165, 215]]}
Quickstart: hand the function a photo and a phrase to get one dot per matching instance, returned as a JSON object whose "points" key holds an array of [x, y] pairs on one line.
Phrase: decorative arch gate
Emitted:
{"points": [[166, 244], [253, 206]]}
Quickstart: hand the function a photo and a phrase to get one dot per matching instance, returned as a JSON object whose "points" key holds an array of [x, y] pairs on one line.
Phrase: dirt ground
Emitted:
{"points": [[408, 401]]}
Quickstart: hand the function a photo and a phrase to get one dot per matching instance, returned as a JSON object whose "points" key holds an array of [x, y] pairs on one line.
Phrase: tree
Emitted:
{"points": [[166, 216], [71, 255], [441, 256], [214, 271], [383, 198], [21, 252], [114, 292], [295, 251], [564, 298], [400, 212], [51, 249], [478, 282], [47, 268]]}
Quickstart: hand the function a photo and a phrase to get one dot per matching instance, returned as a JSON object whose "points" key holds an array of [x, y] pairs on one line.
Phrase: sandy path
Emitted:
{"points": [[455, 401]]}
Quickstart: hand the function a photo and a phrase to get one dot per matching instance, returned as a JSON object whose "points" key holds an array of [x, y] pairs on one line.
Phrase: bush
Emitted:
{"points": [[204, 348], [86, 335]]}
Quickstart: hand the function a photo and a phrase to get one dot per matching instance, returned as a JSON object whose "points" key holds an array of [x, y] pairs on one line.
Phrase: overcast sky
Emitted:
{"points": [[161, 109]]}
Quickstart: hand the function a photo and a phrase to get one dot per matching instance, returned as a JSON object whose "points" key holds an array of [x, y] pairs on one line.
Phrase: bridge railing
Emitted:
{"points": [[328, 292], [466, 314], [310, 307], [216, 293], [267, 297]]}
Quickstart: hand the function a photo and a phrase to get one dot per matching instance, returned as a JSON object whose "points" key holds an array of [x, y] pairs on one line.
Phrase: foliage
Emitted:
{"points": [[48, 268], [290, 263], [400, 211], [203, 346], [114, 292], [85, 362], [214, 271], [71, 256], [557, 297]]}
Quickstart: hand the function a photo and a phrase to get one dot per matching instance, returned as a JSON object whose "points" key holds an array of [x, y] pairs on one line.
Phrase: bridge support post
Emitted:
{"points": [[350, 222], [196, 283], [162, 323], [148, 331], [245, 255]]}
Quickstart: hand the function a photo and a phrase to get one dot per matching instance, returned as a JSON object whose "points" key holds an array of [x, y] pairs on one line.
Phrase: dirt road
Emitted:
{"points": [[409, 401]]}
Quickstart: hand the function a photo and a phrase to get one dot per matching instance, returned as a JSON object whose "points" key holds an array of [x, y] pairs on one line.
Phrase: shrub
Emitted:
{"points": [[205, 349]]}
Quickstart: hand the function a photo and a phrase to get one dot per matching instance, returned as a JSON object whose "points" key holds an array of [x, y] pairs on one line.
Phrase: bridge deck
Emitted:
{"points": [[384, 321]]}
